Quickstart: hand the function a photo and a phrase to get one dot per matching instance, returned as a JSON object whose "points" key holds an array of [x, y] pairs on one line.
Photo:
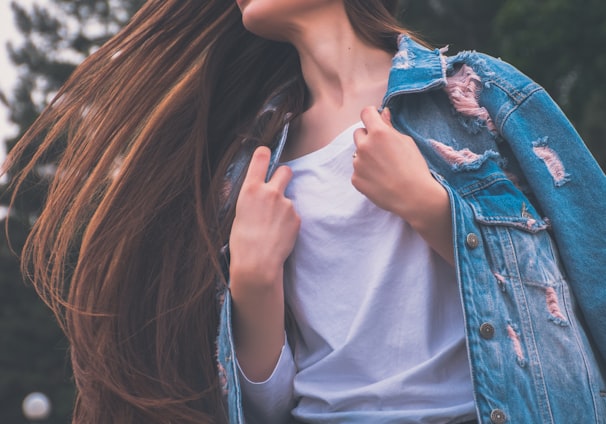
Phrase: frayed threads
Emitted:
{"points": [[463, 159], [404, 59], [553, 306], [517, 345], [552, 161], [501, 281], [463, 91]]}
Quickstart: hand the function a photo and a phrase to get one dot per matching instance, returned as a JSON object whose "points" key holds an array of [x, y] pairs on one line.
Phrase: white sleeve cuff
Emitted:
{"points": [[273, 399]]}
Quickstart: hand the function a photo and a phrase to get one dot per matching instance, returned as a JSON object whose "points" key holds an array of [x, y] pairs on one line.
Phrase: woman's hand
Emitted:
{"points": [[390, 170], [265, 226], [263, 234], [388, 167]]}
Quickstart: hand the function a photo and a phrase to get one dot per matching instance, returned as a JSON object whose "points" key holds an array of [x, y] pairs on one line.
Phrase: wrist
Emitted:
{"points": [[426, 206], [431, 218], [255, 279], [257, 276]]}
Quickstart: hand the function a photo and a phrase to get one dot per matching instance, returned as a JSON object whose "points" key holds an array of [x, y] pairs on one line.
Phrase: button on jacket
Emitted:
{"points": [[527, 201]]}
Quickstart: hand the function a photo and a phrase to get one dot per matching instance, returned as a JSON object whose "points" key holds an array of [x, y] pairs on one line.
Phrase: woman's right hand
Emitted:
{"points": [[263, 234], [265, 226]]}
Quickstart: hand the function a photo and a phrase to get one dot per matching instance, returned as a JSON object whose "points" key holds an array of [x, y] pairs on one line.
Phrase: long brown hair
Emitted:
{"points": [[125, 251]]}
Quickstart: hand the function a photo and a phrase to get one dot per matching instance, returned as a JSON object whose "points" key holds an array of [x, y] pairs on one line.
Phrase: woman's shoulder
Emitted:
{"points": [[426, 66], [493, 71]]}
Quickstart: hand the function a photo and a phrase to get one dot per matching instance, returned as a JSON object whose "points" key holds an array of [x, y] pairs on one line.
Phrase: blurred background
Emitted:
{"points": [[559, 43]]}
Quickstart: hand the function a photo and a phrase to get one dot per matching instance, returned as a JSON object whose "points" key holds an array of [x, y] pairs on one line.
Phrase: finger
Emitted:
{"points": [[359, 135], [371, 118], [281, 178], [386, 115], [259, 163]]}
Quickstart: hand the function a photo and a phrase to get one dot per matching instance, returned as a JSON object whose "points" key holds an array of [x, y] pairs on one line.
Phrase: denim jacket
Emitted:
{"points": [[527, 202]]}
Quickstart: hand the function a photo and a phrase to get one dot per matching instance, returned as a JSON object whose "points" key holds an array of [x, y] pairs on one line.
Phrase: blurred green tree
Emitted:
{"points": [[56, 37], [460, 24], [560, 43]]}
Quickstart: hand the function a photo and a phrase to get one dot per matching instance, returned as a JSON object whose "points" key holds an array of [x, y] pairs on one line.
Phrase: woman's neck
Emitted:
{"points": [[343, 74], [337, 64]]}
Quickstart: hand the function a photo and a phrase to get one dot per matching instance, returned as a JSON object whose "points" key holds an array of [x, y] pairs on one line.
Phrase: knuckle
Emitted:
{"points": [[362, 148], [382, 132], [245, 191], [249, 188], [287, 171], [358, 132], [291, 211], [273, 194], [365, 113], [290, 207]]}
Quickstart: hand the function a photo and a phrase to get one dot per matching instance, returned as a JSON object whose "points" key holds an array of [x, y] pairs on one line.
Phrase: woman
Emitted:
{"points": [[388, 164]]}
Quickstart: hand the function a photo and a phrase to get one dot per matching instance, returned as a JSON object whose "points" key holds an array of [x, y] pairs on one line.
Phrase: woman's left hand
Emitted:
{"points": [[390, 170]]}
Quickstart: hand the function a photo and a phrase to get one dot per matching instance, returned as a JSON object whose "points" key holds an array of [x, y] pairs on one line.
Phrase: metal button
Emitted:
{"points": [[487, 331], [498, 417], [472, 240]]}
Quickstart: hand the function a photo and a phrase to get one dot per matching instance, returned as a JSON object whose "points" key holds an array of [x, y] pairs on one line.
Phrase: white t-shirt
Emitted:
{"points": [[381, 332]]}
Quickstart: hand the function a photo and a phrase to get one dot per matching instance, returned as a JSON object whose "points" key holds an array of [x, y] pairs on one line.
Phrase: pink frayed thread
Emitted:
{"points": [[517, 345], [553, 163], [526, 214], [455, 157], [501, 281], [553, 305], [222, 378], [463, 90], [500, 278]]}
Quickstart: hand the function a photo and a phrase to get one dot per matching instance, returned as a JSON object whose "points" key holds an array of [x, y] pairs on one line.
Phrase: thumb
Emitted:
{"points": [[386, 115]]}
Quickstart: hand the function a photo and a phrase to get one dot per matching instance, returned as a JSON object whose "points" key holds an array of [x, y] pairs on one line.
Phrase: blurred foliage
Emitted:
{"points": [[557, 42], [55, 38]]}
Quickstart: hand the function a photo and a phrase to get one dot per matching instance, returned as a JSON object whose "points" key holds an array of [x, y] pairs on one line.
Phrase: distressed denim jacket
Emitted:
{"points": [[528, 208]]}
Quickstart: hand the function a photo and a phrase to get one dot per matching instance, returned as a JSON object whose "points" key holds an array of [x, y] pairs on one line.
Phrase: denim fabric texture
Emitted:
{"points": [[528, 203]]}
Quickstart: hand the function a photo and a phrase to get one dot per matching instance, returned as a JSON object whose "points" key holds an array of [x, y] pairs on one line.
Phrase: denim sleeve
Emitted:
{"points": [[567, 182], [272, 400]]}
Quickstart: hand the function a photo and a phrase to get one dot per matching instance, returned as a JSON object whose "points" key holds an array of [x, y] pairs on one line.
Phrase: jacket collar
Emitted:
{"points": [[415, 68]]}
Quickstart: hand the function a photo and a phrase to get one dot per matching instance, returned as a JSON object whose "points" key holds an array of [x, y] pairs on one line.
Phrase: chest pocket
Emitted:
{"points": [[495, 200], [520, 250]]}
